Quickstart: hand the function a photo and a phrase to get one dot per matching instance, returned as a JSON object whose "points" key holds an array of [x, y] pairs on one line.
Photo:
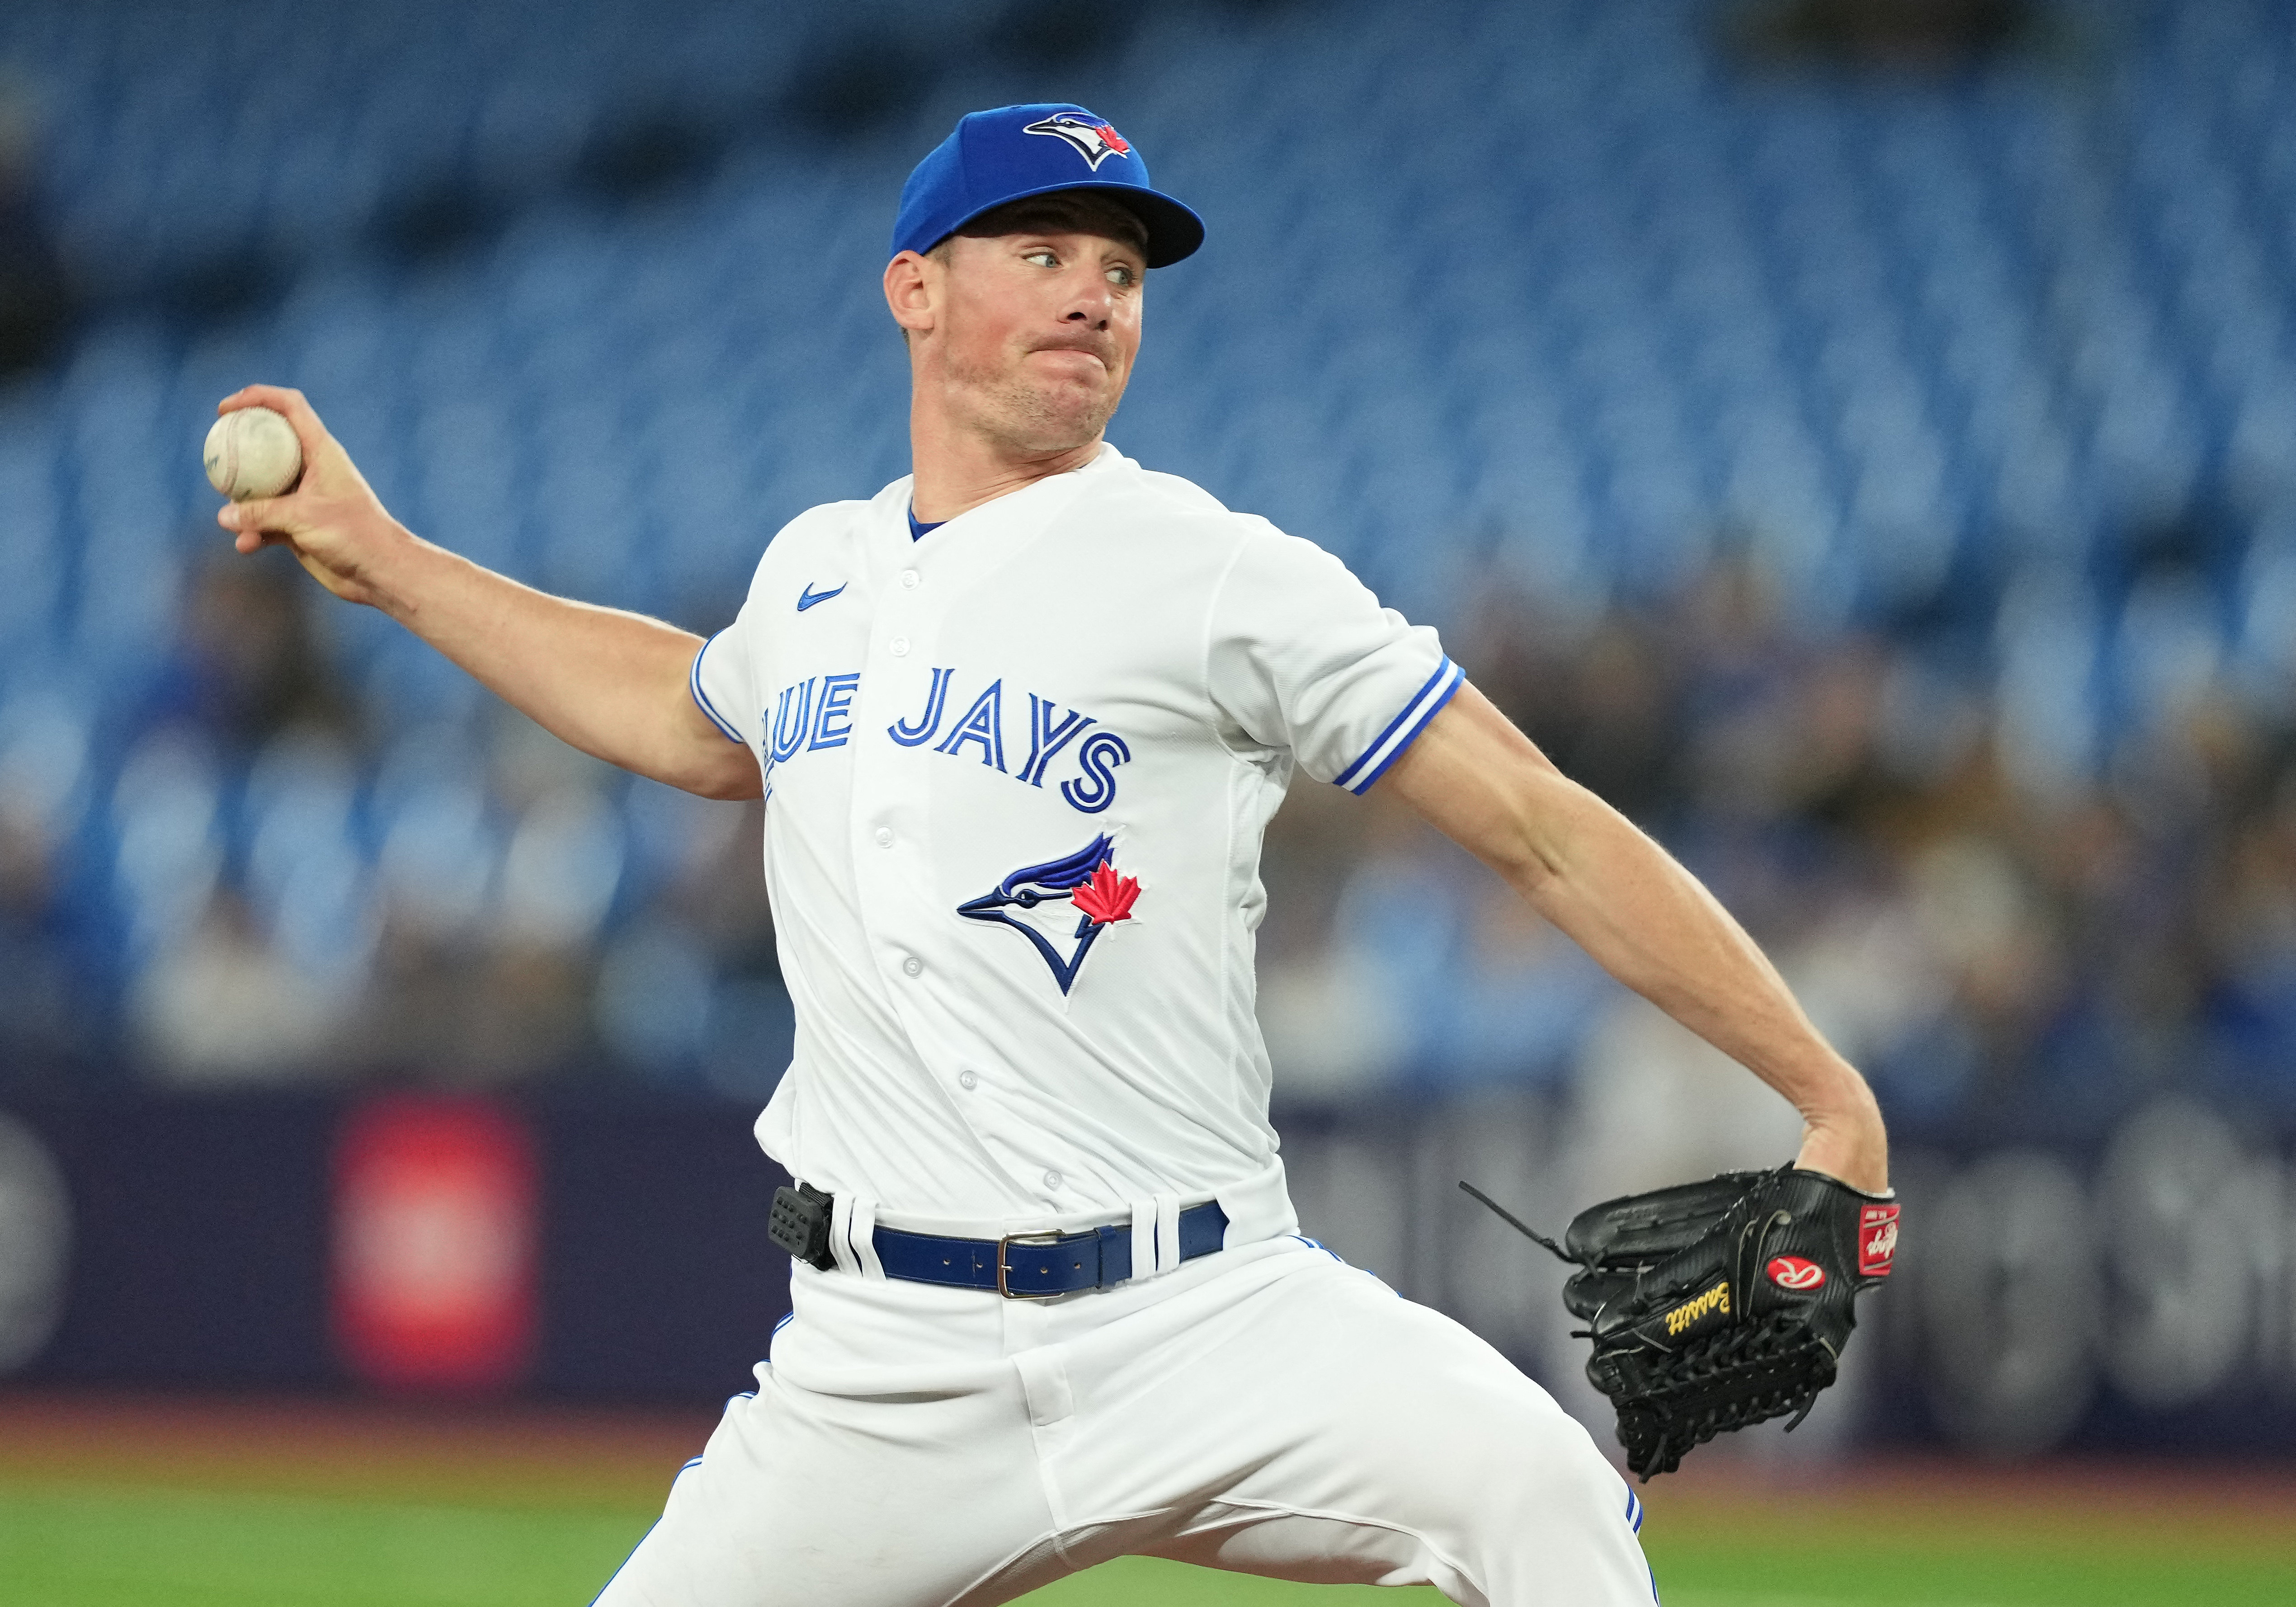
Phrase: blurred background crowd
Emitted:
{"points": [[1857, 437]]}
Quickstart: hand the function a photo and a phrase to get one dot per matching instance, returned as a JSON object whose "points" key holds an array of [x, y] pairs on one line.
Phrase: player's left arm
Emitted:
{"points": [[1644, 919]]}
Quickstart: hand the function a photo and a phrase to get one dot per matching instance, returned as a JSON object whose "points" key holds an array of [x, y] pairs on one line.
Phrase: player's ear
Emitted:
{"points": [[912, 291]]}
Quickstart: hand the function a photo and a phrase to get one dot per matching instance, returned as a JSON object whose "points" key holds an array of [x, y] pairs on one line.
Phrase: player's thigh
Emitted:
{"points": [[1380, 1441], [806, 1500]]}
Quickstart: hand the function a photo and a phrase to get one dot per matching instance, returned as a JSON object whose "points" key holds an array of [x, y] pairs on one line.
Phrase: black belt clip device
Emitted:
{"points": [[799, 1223]]}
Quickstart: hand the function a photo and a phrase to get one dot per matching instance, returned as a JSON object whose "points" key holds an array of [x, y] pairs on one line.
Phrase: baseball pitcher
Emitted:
{"points": [[1019, 720]]}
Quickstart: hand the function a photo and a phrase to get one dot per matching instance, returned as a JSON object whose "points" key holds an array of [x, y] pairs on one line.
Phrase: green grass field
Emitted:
{"points": [[269, 1517]]}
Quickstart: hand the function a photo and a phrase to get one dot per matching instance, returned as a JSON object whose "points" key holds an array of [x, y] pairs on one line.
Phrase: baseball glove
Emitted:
{"points": [[1719, 1304]]}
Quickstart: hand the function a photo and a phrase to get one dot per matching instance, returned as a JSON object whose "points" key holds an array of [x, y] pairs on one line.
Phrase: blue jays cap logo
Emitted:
{"points": [[1093, 142], [1088, 879], [1005, 153]]}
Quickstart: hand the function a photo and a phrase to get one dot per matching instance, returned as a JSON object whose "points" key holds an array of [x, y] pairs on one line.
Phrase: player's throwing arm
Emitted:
{"points": [[1647, 921], [611, 683], [1716, 1305]]}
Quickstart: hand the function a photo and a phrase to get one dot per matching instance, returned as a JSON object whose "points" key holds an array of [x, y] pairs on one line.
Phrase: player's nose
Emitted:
{"points": [[1089, 302]]}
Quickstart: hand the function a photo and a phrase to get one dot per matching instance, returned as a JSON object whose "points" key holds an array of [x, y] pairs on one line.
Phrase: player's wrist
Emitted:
{"points": [[395, 572], [1855, 1151]]}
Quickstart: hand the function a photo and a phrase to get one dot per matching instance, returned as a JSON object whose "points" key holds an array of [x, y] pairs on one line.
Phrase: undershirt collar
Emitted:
{"points": [[918, 532]]}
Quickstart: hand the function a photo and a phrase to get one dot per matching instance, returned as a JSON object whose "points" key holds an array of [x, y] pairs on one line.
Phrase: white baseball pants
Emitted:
{"points": [[1266, 1409]]}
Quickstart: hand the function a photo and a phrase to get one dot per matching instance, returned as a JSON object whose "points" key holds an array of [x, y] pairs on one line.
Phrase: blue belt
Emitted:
{"points": [[1036, 1266]]}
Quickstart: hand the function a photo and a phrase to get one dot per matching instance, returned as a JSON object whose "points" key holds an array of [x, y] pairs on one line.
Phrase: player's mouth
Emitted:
{"points": [[1063, 348]]}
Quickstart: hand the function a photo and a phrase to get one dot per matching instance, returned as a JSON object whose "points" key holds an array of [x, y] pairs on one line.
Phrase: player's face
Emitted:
{"points": [[1036, 335]]}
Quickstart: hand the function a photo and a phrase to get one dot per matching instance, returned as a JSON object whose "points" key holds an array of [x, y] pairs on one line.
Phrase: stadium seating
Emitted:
{"points": [[1553, 289]]}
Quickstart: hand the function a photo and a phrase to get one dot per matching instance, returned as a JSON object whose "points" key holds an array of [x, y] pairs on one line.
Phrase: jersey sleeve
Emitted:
{"points": [[727, 671], [1303, 657], [723, 677]]}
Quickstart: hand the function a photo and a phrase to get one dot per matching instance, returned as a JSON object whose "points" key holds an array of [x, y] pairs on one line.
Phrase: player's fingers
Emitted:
{"points": [[251, 535], [258, 516], [280, 398], [255, 541], [290, 405]]}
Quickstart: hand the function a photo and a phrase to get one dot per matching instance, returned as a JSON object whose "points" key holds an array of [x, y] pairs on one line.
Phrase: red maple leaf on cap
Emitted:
{"points": [[1107, 897]]}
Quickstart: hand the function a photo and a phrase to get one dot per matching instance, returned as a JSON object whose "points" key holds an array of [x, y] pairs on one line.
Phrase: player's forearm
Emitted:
{"points": [[611, 683], [1652, 925], [1642, 917]]}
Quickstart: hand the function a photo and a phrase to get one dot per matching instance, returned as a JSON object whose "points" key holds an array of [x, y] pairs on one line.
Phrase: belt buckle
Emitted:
{"points": [[1009, 1239]]}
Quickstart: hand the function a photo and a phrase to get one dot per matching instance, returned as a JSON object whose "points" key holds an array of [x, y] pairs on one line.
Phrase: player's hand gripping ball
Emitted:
{"points": [[252, 452]]}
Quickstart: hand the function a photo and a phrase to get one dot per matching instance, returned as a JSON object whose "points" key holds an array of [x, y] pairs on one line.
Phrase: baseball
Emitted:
{"points": [[251, 453]]}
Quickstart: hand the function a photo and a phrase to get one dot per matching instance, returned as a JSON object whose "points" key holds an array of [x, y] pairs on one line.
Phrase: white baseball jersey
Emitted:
{"points": [[1016, 777], [1017, 773]]}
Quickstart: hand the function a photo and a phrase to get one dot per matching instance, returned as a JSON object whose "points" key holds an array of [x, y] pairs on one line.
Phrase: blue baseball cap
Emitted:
{"points": [[1014, 151]]}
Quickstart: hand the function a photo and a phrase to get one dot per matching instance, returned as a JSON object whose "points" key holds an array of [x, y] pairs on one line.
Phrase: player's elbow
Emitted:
{"points": [[730, 776], [1549, 821], [731, 786]]}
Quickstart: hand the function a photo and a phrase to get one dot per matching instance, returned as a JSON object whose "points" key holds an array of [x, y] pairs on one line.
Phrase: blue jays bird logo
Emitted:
{"points": [[1088, 879], [1093, 142]]}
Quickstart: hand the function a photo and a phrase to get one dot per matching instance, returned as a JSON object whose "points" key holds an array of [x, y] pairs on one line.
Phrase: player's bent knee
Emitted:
{"points": [[1507, 1458], [1538, 1460]]}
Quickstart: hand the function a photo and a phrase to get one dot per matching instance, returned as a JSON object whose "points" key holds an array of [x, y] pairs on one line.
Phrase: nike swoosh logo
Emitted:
{"points": [[806, 598]]}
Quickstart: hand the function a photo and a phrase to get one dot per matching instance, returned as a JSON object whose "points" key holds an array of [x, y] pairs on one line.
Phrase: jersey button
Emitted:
{"points": [[1051, 1180], [968, 1079], [900, 645], [909, 578], [884, 837], [913, 965]]}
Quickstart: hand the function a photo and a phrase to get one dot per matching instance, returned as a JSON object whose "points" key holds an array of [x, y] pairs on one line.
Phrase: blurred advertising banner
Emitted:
{"points": [[435, 1244], [557, 1249], [2131, 1289]]}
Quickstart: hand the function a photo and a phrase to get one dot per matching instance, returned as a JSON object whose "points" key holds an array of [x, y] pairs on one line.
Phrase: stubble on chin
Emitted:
{"points": [[1028, 417]]}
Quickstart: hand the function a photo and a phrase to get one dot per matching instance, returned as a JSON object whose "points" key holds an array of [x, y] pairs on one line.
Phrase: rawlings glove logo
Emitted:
{"points": [[1877, 1240], [1791, 1272], [1088, 879]]}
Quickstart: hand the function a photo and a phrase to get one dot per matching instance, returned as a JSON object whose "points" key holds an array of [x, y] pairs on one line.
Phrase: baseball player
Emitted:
{"points": [[1019, 720]]}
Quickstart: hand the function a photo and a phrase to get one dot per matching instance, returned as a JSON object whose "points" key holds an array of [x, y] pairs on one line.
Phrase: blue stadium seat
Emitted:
{"points": [[1621, 300]]}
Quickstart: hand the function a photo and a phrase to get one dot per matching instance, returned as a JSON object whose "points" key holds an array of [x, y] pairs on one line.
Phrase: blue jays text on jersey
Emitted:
{"points": [[817, 713]]}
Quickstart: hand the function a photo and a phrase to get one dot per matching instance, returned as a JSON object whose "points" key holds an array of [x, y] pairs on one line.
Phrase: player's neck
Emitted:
{"points": [[958, 470]]}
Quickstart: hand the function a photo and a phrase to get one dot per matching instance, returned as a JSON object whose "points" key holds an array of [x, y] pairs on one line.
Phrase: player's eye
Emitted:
{"points": [[1045, 258], [1119, 274]]}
